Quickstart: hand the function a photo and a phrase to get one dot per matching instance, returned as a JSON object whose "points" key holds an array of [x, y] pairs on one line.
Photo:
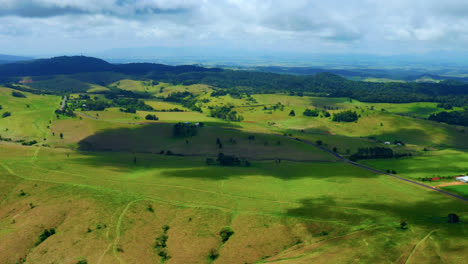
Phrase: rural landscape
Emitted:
{"points": [[233, 132], [147, 163]]}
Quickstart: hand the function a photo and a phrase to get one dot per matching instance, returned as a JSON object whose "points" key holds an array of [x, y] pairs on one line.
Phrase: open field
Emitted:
{"points": [[112, 182], [432, 164], [298, 212], [30, 116]]}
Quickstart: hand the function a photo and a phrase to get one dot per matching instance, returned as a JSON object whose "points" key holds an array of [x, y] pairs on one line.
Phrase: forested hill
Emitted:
{"points": [[320, 84], [79, 64]]}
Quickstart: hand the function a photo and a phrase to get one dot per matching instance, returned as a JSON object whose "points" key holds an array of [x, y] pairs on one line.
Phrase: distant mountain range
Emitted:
{"points": [[80, 64], [74, 74], [24, 66], [10, 58]]}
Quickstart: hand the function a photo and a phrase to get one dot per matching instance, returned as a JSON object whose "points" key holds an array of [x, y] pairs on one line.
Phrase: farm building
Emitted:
{"points": [[462, 178]]}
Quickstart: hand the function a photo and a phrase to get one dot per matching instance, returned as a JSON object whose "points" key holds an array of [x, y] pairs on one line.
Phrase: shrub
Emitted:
{"points": [[18, 94], [226, 233], [29, 143], [309, 112], [214, 254], [161, 241], [151, 117], [185, 130], [453, 218], [46, 234], [6, 114], [403, 225]]}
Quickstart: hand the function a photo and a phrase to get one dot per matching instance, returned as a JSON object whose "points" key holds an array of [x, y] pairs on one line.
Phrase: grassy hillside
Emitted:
{"points": [[117, 188], [298, 212], [30, 116]]}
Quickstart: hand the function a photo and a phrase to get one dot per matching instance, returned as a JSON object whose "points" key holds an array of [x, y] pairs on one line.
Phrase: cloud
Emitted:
{"points": [[303, 25]]}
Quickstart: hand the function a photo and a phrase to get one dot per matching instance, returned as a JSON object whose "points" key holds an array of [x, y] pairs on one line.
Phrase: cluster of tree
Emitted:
{"points": [[311, 112], [29, 143], [185, 98], [171, 110], [151, 117], [446, 106], [429, 179], [277, 106], [18, 94], [178, 97], [185, 130], [455, 118], [227, 160], [65, 111], [90, 105], [372, 153], [131, 105], [192, 104], [233, 92], [226, 113], [6, 114], [345, 116], [115, 93]]}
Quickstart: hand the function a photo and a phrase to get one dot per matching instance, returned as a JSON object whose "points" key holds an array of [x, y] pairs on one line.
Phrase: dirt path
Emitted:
{"points": [[417, 245], [449, 184]]}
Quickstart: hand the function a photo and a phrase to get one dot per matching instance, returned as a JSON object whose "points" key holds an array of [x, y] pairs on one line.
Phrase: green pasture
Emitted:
{"points": [[25, 122], [308, 199], [430, 164]]}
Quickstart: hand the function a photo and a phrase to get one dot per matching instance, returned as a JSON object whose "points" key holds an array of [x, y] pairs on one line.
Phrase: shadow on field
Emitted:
{"points": [[208, 141], [196, 168], [411, 136], [424, 213]]}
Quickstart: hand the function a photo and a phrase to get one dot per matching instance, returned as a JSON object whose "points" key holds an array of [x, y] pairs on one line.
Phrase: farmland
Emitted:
{"points": [[102, 183]]}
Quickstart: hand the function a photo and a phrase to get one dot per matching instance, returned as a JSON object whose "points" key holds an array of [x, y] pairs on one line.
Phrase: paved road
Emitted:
{"points": [[63, 103]]}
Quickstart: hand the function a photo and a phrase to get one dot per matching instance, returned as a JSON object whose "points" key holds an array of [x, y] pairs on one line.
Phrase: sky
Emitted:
{"points": [[54, 27]]}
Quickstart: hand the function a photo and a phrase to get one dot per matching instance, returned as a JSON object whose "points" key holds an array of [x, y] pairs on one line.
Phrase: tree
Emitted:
{"points": [[226, 233], [61, 135], [6, 114], [292, 113], [309, 112], [403, 225], [151, 117], [453, 218], [345, 116], [18, 94]]}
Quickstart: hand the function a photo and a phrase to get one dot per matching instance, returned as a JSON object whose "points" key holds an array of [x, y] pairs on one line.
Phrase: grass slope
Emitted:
{"points": [[292, 211], [27, 122]]}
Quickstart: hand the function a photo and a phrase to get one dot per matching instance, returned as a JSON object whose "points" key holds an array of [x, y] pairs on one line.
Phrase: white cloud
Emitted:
{"points": [[397, 25]]}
